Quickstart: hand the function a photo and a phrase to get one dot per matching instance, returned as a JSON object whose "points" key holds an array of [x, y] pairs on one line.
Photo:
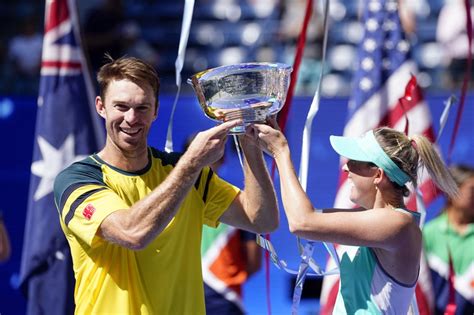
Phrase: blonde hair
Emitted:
{"points": [[130, 68], [411, 153]]}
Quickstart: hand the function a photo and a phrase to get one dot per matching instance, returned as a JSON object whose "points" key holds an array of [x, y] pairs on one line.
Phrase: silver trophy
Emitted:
{"points": [[248, 91]]}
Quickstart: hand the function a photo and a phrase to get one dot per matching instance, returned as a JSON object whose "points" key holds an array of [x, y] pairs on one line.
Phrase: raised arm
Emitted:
{"points": [[255, 208], [137, 226], [344, 227]]}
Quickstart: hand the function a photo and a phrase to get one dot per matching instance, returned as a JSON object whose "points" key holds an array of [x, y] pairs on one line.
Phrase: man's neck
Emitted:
{"points": [[459, 220], [127, 161]]}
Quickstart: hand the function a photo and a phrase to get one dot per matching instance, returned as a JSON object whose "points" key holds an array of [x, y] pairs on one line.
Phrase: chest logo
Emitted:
{"points": [[88, 211]]}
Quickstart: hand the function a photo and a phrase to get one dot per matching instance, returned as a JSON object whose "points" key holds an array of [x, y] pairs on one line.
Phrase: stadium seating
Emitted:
{"points": [[227, 31]]}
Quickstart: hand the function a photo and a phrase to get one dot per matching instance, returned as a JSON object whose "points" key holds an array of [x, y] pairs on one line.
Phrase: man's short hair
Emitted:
{"points": [[129, 68], [461, 173]]}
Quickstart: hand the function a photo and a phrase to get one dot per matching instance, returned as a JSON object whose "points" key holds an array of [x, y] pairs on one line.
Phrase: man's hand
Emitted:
{"points": [[208, 146]]}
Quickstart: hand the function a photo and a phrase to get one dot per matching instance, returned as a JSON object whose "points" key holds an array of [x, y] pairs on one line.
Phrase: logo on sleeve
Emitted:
{"points": [[88, 211]]}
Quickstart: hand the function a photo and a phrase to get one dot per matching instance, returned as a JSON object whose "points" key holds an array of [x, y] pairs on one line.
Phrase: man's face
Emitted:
{"points": [[465, 201], [128, 110]]}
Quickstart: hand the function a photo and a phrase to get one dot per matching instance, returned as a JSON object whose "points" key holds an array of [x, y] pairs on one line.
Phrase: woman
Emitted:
{"points": [[381, 277]]}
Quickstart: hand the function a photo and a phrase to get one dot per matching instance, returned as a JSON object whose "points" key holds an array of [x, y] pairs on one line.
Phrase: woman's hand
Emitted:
{"points": [[268, 138]]}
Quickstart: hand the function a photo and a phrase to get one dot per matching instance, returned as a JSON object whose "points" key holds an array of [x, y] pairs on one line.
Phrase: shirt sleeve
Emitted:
{"points": [[83, 200], [217, 195], [85, 209]]}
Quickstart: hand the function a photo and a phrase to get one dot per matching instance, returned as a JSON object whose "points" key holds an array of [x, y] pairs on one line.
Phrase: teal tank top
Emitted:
{"points": [[366, 288]]}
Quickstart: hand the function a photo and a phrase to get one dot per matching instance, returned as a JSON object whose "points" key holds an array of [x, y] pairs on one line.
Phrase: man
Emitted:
{"points": [[450, 237], [133, 215]]}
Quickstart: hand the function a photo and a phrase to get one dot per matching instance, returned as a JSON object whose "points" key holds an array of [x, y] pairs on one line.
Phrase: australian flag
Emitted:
{"points": [[67, 129]]}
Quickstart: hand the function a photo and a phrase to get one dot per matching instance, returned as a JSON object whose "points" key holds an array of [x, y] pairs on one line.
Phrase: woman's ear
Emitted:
{"points": [[379, 176], [381, 179]]}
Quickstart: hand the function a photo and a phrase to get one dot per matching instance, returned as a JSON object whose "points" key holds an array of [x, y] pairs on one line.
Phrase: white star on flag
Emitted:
{"points": [[372, 25], [370, 45], [367, 64], [54, 161]]}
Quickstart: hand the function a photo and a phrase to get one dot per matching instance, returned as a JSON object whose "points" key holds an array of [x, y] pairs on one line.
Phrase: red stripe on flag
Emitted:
{"points": [[342, 179], [421, 300], [392, 117], [430, 194], [327, 308], [61, 64], [429, 134], [283, 116], [58, 13]]}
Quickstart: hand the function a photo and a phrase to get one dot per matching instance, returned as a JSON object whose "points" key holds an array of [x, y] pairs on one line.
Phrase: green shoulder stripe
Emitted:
{"points": [[77, 202], [78, 174], [173, 157], [167, 158]]}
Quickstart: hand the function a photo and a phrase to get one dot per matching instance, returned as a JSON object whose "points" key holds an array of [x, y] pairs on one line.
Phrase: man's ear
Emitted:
{"points": [[100, 106], [157, 107]]}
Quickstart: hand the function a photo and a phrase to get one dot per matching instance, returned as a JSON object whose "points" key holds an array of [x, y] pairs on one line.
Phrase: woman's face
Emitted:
{"points": [[361, 177]]}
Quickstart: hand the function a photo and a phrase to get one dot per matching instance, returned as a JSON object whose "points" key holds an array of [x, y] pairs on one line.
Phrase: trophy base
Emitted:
{"points": [[239, 130], [255, 114]]}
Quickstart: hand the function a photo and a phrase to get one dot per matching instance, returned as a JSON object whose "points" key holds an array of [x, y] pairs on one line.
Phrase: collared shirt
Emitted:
{"points": [[163, 278], [440, 241]]}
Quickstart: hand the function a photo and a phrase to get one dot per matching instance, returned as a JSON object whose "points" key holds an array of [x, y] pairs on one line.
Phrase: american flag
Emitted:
{"points": [[383, 71], [66, 130]]}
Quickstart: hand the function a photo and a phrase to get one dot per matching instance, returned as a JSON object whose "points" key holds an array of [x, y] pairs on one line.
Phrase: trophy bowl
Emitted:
{"points": [[248, 91]]}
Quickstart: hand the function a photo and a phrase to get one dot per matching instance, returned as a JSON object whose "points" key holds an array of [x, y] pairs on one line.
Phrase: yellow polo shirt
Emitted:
{"points": [[163, 278]]}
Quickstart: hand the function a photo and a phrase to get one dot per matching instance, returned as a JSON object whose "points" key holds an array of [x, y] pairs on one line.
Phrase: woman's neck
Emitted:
{"points": [[388, 200]]}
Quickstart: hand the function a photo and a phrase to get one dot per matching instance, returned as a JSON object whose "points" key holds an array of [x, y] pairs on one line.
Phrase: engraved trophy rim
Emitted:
{"points": [[237, 67], [210, 80]]}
